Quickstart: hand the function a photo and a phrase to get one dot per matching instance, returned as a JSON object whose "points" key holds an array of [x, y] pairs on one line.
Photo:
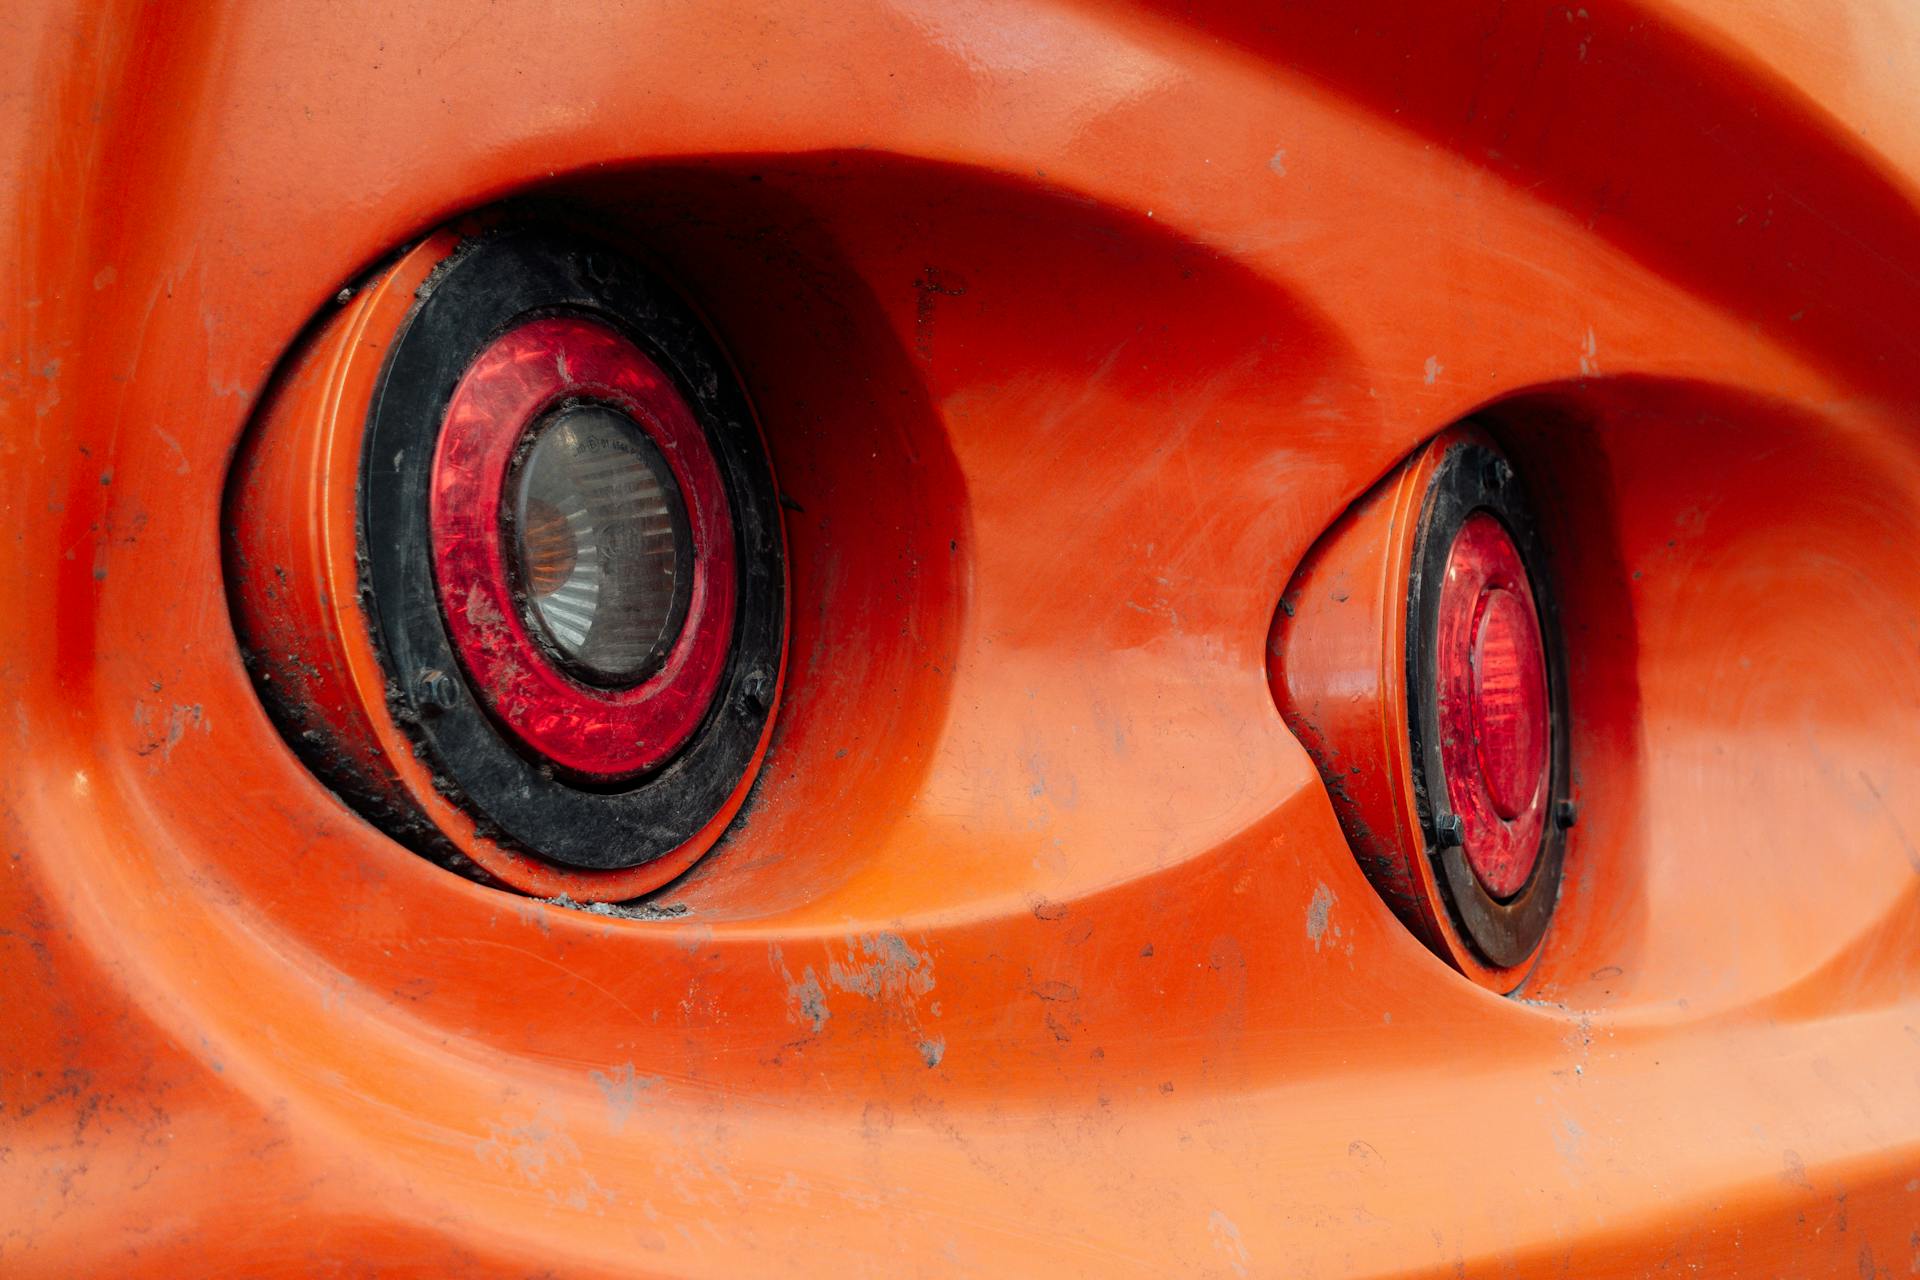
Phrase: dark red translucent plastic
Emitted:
{"points": [[1495, 717]]}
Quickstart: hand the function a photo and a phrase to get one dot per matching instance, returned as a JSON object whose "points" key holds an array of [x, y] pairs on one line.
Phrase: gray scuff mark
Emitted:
{"points": [[527, 910], [155, 737], [1227, 1241], [1589, 355], [1580, 1037], [693, 938], [181, 466], [622, 910], [806, 998], [1570, 1139], [622, 1089], [881, 968], [48, 401], [540, 1153], [892, 968], [812, 1000], [1062, 790], [1319, 912], [1278, 162], [1434, 369]]}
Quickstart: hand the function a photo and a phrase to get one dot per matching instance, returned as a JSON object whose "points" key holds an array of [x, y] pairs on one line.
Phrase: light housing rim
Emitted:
{"points": [[1471, 476]]}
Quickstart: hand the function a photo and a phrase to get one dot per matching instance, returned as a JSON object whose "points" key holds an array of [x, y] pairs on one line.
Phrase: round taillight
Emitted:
{"points": [[1495, 716], [509, 564], [583, 545], [1416, 655]]}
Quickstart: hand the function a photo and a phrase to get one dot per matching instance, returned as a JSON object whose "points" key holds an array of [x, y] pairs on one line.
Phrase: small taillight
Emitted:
{"points": [[1416, 656]]}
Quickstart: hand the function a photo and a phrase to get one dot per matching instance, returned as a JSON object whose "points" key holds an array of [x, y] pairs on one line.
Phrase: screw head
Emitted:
{"points": [[756, 690], [434, 690]]}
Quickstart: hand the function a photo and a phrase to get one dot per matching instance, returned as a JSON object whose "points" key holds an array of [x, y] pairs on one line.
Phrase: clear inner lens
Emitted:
{"points": [[598, 531]]}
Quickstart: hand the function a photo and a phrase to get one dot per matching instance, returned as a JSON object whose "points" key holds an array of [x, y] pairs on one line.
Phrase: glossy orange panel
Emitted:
{"points": [[1038, 947]]}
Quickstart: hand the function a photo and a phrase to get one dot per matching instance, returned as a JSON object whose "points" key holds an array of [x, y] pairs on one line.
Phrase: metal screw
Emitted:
{"points": [[1449, 831], [757, 690], [1564, 814], [434, 690]]}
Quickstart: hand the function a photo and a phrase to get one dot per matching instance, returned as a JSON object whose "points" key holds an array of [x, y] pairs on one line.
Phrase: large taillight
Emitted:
{"points": [[582, 545], [508, 565], [1416, 654]]}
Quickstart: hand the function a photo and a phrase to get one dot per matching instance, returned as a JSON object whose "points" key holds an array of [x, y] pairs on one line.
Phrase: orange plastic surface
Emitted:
{"points": [[1038, 948]]}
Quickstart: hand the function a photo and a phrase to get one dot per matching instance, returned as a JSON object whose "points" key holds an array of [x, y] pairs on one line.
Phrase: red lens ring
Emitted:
{"points": [[1483, 566], [516, 380]]}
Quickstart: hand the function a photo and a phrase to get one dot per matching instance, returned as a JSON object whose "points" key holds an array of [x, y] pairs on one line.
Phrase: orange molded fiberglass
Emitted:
{"points": [[1003, 639]]}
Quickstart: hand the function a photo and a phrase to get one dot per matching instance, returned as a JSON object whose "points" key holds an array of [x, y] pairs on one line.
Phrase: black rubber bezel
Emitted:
{"points": [[488, 286], [1473, 477], [537, 626]]}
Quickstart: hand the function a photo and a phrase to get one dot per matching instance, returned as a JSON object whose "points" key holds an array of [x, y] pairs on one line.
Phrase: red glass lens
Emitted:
{"points": [[1495, 714]]}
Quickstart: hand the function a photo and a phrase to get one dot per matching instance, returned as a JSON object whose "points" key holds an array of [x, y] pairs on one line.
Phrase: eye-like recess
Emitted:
{"points": [[531, 619]]}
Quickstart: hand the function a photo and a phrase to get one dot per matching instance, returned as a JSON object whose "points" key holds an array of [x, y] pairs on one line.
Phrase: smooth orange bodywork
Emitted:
{"points": [[1037, 948]]}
